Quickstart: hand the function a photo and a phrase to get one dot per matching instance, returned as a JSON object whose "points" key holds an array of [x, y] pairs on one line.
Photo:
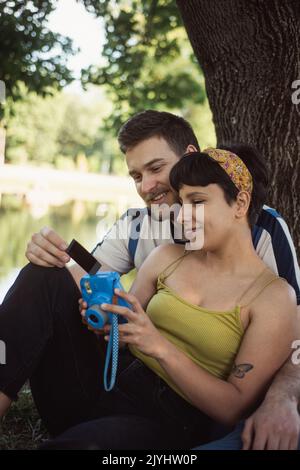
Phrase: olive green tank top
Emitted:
{"points": [[209, 338]]}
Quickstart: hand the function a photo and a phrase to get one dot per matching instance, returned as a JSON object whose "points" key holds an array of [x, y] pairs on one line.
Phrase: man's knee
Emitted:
{"points": [[33, 279], [34, 269], [35, 273]]}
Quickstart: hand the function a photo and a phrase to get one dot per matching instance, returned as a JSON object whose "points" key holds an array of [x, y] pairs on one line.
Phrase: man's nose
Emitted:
{"points": [[148, 184]]}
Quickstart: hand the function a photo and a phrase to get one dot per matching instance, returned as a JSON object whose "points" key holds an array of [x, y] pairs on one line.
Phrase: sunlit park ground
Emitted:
{"points": [[22, 428]]}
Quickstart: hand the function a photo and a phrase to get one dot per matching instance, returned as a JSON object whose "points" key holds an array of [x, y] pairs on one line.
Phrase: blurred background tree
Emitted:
{"points": [[149, 60], [29, 52], [148, 63], [62, 130]]}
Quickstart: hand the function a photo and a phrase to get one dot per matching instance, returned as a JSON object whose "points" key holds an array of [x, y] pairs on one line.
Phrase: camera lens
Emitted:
{"points": [[96, 317]]}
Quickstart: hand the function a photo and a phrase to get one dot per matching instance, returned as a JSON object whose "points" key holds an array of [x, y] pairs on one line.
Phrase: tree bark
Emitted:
{"points": [[249, 52]]}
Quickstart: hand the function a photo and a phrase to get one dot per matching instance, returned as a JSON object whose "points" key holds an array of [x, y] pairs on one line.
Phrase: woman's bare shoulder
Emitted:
{"points": [[277, 296], [163, 255], [169, 250]]}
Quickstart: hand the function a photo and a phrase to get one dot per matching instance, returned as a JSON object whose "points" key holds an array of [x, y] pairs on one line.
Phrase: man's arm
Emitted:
{"points": [[276, 423]]}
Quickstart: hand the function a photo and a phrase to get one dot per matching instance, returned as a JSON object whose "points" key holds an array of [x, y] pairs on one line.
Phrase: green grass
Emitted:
{"points": [[21, 428]]}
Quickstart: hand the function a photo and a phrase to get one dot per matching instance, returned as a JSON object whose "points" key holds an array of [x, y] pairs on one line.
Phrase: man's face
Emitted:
{"points": [[149, 164]]}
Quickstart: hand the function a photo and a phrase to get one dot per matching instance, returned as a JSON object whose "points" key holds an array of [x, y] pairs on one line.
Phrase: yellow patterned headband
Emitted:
{"points": [[234, 167]]}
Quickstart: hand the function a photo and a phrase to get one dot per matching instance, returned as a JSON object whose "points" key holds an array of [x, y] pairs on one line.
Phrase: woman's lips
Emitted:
{"points": [[192, 233]]}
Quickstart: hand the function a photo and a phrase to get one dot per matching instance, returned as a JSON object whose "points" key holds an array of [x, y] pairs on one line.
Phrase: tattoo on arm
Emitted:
{"points": [[240, 370]]}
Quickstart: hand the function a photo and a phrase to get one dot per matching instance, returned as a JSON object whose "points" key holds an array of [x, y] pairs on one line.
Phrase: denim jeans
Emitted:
{"points": [[232, 441], [47, 343]]}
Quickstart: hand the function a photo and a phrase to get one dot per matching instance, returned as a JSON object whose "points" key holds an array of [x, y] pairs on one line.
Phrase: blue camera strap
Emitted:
{"points": [[112, 353]]}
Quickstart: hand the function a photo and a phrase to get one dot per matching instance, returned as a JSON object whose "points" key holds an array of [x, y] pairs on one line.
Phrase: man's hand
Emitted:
{"points": [[274, 426], [46, 248]]}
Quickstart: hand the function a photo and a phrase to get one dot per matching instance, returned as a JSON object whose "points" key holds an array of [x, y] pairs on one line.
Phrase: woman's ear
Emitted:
{"points": [[242, 204]]}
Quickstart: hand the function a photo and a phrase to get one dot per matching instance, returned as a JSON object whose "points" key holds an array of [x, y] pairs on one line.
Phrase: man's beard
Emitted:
{"points": [[160, 211]]}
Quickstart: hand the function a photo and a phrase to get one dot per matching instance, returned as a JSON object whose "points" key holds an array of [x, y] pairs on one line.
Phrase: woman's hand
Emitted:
{"points": [[82, 310], [139, 331]]}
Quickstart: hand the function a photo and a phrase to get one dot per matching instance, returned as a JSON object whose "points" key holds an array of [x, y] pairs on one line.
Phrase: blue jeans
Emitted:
{"points": [[232, 441]]}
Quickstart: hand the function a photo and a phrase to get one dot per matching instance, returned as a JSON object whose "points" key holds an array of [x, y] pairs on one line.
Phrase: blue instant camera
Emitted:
{"points": [[96, 290]]}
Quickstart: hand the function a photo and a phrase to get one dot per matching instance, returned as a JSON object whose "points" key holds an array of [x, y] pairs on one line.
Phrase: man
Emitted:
{"points": [[152, 142]]}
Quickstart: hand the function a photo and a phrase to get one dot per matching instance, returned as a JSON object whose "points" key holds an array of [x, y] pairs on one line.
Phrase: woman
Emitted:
{"points": [[209, 326]]}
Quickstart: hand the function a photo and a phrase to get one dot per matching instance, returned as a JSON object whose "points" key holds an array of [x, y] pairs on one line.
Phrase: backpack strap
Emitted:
{"points": [[135, 228]]}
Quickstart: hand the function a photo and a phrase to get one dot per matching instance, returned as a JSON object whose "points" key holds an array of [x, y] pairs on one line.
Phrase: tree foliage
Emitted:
{"points": [[149, 61], [148, 64], [29, 51], [61, 130]]}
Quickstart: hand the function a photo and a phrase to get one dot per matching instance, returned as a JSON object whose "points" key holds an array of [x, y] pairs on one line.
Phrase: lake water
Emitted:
{"points": [[85, 222]]}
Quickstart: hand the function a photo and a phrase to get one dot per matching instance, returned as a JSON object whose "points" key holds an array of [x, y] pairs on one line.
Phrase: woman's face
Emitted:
{"points": [[207, 218]]}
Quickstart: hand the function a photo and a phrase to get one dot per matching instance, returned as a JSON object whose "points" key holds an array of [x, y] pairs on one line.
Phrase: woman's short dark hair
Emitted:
{"points": [[198, 169], [177, 132]]}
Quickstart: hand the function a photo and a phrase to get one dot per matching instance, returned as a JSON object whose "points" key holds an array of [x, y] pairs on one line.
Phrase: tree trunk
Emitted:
{"points": [[249, 52]]}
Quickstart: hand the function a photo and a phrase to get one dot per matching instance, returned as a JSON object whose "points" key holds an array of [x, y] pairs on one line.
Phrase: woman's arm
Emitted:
{"points": [[265, 347], [275, 425]]}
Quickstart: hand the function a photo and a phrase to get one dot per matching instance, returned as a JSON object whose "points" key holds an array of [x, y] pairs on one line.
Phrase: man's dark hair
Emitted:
{"points": [[198, 169], [176, 131]]}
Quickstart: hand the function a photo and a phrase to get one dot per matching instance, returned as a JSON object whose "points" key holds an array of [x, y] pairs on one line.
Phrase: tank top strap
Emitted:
{"points": [[171, 267], [265, 278]]}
